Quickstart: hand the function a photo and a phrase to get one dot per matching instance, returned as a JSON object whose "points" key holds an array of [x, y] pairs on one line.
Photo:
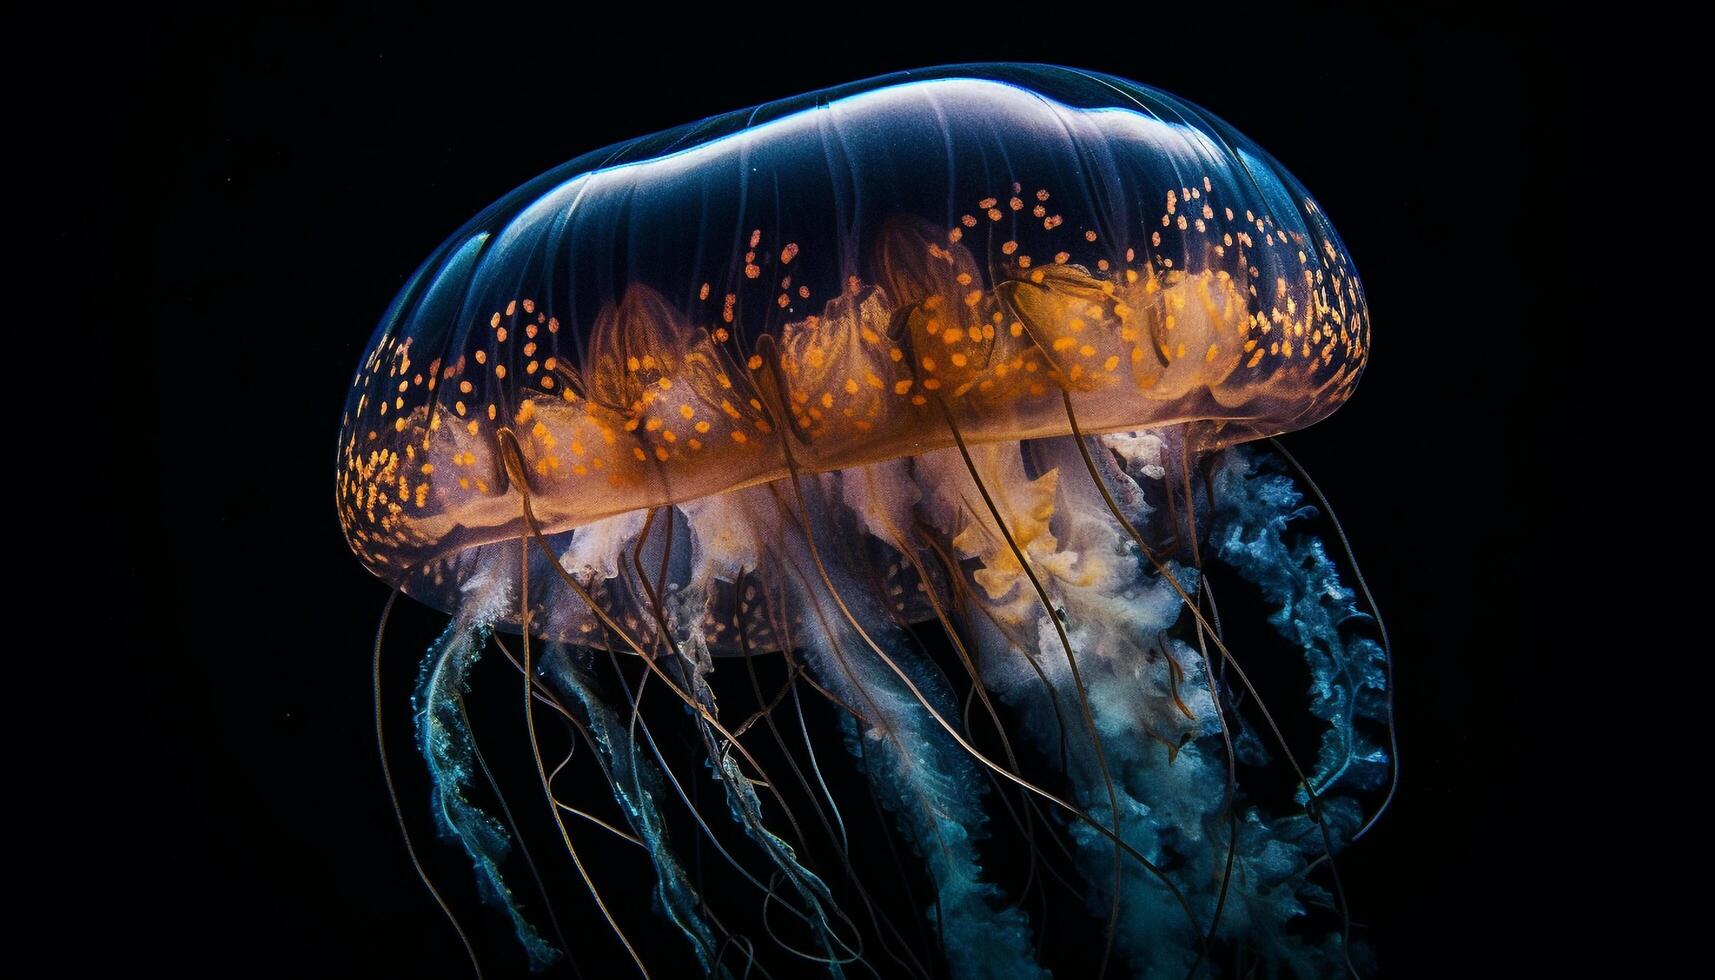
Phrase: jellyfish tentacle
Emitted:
{"points": [[657, 609], [1303, 586], [1080, 813], [662, 639], [546, 698], [743, 803], [1349, 680], [515, 467], [978, 691], [858, 706], [1262, 831], [393, 793], [512, 825], [1229, 809], [446, 745], [1017, 646], [637, 787], [741, 797], [815, 766], [840, 842], [1111, 622], [919, 775], [745, 806], [764, 713], [872, 501], [1381, 629], [1203, 631], [1054, 617], [708, 834], [904, 955]]}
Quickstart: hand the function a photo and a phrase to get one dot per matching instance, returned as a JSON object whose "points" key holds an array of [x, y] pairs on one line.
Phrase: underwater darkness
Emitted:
{"points": [[264, 184]]}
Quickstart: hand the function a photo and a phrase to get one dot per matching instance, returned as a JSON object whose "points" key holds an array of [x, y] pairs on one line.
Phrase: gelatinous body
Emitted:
{"points": [[965, 347]]}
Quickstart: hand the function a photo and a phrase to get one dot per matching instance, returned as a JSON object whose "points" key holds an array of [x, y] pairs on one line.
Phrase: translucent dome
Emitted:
{"points": [[820, 282]]}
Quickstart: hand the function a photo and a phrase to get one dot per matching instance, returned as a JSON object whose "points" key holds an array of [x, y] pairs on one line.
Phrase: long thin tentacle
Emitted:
{"points": [[447, 747], [741, 797], [393, 795], [637, 787]]}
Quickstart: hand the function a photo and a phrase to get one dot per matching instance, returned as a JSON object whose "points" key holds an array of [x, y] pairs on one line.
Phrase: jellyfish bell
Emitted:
{"points": [[966, 346], [1154, 246]]}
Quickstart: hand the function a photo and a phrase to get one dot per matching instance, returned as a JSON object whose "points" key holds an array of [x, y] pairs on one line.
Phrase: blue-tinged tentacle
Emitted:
{"points": [[1153, 696], [591, 558], [638, 788], [1144, 695], [1255, 508], [919, 772], [927, 781], [746, 809], [447, 746]]}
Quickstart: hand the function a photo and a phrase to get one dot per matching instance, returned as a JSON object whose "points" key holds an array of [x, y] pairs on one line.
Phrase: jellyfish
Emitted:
{"points": [[948, 397]]}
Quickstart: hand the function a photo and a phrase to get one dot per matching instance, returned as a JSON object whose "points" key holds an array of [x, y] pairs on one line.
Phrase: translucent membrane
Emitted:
{"points": [[809, 282]]}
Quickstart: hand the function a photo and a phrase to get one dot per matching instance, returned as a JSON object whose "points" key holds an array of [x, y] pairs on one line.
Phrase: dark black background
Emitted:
{"points": [[261, 185]]}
